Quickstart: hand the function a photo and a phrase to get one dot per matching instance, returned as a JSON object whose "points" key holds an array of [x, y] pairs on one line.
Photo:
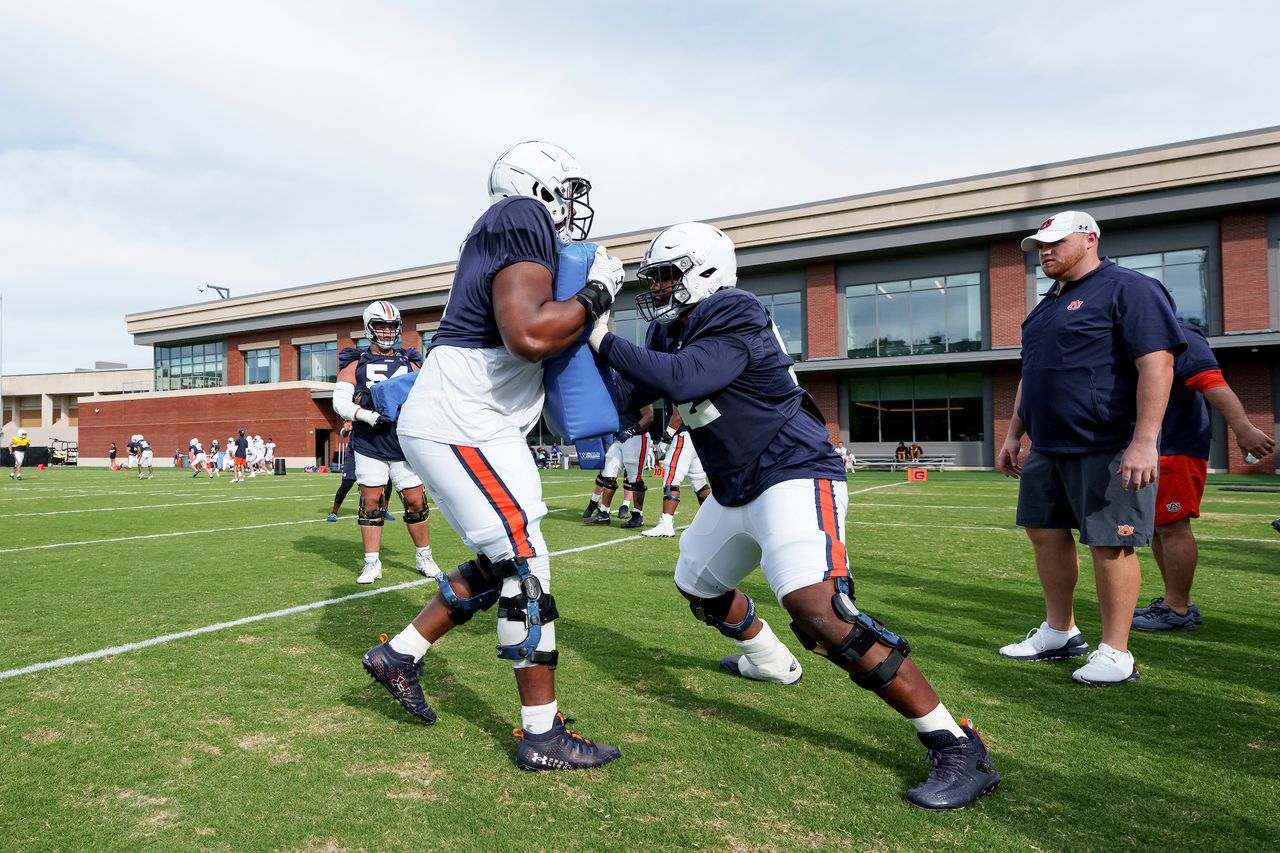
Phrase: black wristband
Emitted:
{"points": [[595, 299]]}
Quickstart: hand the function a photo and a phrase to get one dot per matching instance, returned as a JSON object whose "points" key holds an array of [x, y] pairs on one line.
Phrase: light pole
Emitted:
{"points": [[223, 292]]}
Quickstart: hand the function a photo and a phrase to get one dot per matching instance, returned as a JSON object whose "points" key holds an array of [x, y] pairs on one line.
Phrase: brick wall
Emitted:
{"points": [[822, 311], [287, 415], [1007, 274], [1246, 302], [1004, 390], [1251, 380], [825, 389]]}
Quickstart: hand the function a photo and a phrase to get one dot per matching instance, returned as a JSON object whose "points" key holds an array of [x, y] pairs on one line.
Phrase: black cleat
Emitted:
{"points": [[592, 506], [1275, 525], [961, 771], [399, 674], [601, 517], [636, 520], [624, 511], [561, 749]]}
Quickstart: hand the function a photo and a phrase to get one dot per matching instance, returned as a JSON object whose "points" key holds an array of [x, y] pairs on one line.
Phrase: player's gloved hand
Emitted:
{"points": [[603, 283], [624, 436], [372, 418], [660, 452], [598, 331]]}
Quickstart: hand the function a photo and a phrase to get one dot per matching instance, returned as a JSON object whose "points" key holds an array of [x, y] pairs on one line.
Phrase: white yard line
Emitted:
{"points": [[157, 506], [158, 535], [274, 614]]}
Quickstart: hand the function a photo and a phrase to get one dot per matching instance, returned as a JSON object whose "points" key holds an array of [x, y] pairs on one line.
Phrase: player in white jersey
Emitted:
{"points": [[463, 430], [199, 461], [681, 461], [146, 459], [626, 455]]}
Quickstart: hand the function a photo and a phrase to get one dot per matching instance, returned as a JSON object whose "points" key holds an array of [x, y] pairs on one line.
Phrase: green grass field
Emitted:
{"points": [[268, 734]]}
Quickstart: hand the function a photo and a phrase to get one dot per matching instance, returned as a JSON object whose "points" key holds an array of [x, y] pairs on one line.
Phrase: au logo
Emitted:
{"points": [[1047, 223], [1075, 305], [1124, 530], [1172, 507]]}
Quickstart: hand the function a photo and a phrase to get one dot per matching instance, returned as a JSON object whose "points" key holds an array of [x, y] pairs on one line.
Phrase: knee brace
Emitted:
{"points": [[419, 516], [714, 611], [531, 607], [603, 482], [703, 494], [483, 586], [671, 493], [865, 633], [637, 486], [370, 517]]}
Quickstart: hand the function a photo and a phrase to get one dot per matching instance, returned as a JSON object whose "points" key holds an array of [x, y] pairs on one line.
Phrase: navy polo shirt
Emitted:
{"points": [[1079, 381], [1186, 421]]}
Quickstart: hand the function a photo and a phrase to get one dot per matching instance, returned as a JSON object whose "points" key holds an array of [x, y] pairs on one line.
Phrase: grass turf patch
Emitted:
{"points": [[269, 735]]}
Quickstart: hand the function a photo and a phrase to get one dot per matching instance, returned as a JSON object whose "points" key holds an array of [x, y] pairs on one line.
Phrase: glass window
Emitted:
{"points": [[924, 315], [627, 324], [927, 407], [189, 366], [1184, 273], [262, 366], [318, 362], [784, 308]]}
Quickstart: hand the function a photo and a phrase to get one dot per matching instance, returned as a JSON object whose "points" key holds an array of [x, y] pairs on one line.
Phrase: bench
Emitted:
{"points": [[890, 462]]}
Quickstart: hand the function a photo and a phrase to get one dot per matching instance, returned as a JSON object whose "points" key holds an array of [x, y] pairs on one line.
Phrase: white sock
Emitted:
{"points": [[371, 557], [410, 642], [626, 503], [766, 652], [424, 551], [667, 519], [1051, 633], [604, 507], [938, 719], [538, 719]]}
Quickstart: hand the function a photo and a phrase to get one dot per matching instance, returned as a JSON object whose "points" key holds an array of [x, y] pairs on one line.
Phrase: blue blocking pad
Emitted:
{"points": [[389, 394], [590, 454], [579, 403]]}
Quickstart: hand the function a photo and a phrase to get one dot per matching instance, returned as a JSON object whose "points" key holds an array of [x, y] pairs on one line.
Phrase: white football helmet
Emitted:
{"points": [[689, 262], [551, 175], [22, 433], [383, 312]]}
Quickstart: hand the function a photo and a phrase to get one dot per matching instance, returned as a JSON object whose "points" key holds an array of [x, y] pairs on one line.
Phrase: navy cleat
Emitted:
{"points": [[333, 516], [624, 512], [601, 517], [399, 674], [1275, 525], [636, 520], [386, 514], [592, 506], [961, 771], [1158, 616], [561, 749]]}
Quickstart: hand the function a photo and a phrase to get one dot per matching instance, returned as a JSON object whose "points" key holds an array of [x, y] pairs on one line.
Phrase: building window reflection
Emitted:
{"points": [[914, 316], [928, 407], [190, 366]]}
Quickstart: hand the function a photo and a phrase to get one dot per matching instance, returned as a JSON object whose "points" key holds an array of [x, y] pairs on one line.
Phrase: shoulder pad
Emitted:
{"points": [[727, 311], [414, 356], [348, 355]]}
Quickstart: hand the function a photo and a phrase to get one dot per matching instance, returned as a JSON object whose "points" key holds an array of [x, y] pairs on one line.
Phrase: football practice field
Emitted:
{"points": [[180, 669]]}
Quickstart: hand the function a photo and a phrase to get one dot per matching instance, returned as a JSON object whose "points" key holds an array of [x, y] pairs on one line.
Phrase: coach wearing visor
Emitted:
{"points": [[1097, 364]]}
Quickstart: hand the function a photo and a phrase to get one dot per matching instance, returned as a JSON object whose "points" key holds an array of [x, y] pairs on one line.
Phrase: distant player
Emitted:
{"points": [[215, 457], [240, 456], [111, 456], [146, 458], [779, 501], [626, 456], [349, 480], [199, 461], [18, 450], [681, 461], [374, 443], [269, 455]]}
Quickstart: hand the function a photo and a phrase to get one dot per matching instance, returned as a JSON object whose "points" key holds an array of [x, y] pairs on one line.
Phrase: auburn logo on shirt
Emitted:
{"points": [[1075, 306], [1124, 530]]}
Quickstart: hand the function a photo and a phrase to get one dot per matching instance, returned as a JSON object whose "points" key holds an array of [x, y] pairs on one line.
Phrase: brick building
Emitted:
{"points": [[903, 308]]}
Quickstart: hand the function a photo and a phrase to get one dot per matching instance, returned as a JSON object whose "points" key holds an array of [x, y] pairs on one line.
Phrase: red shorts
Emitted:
{"points": [[1180, 488], [240, 460]]}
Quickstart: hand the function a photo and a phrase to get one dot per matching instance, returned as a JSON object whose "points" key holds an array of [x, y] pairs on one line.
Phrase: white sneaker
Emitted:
{"points": [[742, 666], [372, 572], [1107, 667], [427, 566], [665, 528], [1039, 646]]}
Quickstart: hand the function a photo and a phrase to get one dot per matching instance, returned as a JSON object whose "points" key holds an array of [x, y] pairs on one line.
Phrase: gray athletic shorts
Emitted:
{"points": [[1084, 492]]}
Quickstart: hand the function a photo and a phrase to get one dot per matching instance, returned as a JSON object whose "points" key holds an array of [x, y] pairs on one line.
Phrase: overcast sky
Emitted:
{"points": [[147, 148]]}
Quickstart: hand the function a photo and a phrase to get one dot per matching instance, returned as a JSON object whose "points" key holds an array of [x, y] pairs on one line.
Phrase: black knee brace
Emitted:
{"points": [[417, 517], [370, 517], [637, 486], [671, 493], [714, 611], [603, 482], [865, 633], [532, 608], [482, 583], [703, 494]]}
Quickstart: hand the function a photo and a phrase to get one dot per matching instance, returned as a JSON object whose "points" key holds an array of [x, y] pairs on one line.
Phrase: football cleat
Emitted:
{"points": [[1158, 616], [665, 529], [961, 770], [636, 520], [386, 514], [372, 571], [624, 511], [1107, 667], [601, 517], [400, 675], [427, 566], [739, 665], [333, 516], [592, 506], [1036, 646], [561, 749]]}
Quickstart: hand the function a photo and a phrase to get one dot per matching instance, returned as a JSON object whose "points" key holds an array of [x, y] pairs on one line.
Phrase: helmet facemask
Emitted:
{"points": [[668, 302], [384, 333]]}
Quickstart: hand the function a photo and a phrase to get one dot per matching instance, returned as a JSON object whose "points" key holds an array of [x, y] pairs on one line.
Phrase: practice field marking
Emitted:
{"points": [[158, 506], [160, 535], [274, 614]]}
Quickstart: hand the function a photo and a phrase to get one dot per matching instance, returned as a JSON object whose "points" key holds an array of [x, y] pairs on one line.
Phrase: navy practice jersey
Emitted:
{"points": [[1079, 345], [213, 446], [377, 442], [513, 230], [134, 448], [725, 366], [143, 445], [242, 448], [1186, 430]]}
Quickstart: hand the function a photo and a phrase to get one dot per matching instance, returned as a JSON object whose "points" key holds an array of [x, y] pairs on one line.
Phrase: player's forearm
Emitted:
{"points": [[1155, 377], [1228, 404], [692, 374]]}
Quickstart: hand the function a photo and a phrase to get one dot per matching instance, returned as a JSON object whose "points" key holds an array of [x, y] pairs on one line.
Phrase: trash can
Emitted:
{"points": [[279, 469]]}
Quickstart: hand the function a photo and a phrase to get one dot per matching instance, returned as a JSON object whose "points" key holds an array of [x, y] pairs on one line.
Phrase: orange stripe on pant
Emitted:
{"points": [[499, 497], [830, 526], [675, 458]]}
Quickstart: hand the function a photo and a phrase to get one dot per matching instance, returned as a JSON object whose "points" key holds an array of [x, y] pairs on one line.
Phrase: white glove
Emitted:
{"points": [[606, 270], [598, 331], [660, 452]]}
